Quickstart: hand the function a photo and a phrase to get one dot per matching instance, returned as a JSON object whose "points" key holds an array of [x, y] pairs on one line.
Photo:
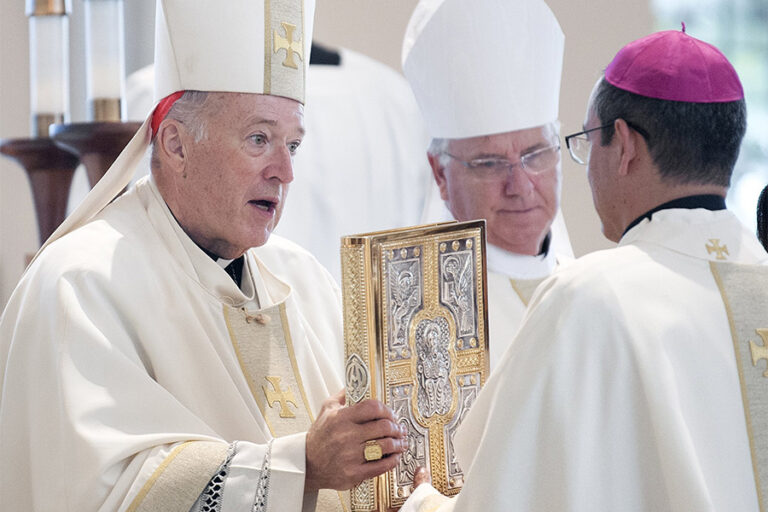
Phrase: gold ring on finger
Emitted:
{"points": [[372, 451]]}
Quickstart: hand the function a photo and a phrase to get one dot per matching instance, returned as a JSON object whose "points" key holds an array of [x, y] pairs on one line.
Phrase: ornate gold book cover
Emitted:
{"points": [[416, 337]]}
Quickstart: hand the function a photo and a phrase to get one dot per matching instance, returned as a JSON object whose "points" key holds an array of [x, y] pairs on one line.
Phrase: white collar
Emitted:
{"points": [[698, 232], [520, 266], [223, 263]]}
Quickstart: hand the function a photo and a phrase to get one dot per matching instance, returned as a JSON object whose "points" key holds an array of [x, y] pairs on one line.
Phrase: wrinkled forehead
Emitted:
{"points": [[516, 141], [249, 107]]}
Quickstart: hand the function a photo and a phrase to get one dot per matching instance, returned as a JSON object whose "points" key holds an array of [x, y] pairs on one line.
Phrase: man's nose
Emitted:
{"points": [[518, 182], [281, 165]]}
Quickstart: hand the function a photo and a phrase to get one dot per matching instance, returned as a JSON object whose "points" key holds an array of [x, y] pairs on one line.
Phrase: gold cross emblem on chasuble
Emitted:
{"points": [[280, 396], [288, 44], [760, 351], [714, 246]]}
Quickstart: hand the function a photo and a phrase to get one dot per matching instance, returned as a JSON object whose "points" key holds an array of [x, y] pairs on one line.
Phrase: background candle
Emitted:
{"points": [[48, 63], [105, 59]]}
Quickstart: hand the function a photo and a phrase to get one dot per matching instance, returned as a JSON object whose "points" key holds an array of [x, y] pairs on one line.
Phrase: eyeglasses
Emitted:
{"points": [[579, 145], [535, 162]]}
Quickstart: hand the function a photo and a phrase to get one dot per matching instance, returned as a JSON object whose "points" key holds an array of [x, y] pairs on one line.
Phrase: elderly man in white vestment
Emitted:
{"points": [[489, 93], [636, 382], [362, 169], [150, 359]]}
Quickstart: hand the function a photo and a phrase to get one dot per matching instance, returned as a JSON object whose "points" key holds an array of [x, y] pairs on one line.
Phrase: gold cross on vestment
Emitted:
{"points": [[714, 246], [280, 396], [760, 351], [288, 44]]}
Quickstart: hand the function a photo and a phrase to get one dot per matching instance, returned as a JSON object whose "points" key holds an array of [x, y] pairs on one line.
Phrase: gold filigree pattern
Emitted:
{"points": [[400, 374], [470, 360], [355, 307], [356, 334], [415, 314]]}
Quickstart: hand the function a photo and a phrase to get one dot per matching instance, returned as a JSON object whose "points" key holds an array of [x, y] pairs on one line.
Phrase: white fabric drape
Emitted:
{"points": [[621, 390], [114, 348]]}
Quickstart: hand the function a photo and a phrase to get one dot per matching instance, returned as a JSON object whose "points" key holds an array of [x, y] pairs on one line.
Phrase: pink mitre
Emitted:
{"points": [[671, 65]]}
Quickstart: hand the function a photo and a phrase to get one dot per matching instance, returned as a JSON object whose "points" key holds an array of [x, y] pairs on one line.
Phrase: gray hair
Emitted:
{"points": [[188, 110], [439, 146]]}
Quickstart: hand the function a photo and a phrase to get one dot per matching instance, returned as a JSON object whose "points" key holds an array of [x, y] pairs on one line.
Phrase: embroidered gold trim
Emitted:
{"points": [[300, 383], [525, 288], [185, 472], [294, 367], [152, 479], [742, 383], [281, 397], [518, 292], [305, 64], [294, 363], [433, 502], [720, 251], [267, 47], [251, 385]]}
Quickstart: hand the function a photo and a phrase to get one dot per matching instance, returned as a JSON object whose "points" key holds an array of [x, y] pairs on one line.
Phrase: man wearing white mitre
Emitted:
{"points": [[488, 83], [637, 381], [150, 358]]}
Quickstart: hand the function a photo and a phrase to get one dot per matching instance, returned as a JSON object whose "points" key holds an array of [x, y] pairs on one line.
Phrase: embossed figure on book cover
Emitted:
{"points": [[416, 335]]}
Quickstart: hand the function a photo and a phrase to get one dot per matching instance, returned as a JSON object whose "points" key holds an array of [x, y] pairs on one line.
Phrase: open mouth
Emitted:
{"points": [[264, 204]]}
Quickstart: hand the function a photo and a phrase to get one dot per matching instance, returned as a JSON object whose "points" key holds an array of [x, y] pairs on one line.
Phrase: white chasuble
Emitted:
{"points": [[512, 279], [122, 385], [621, 390]]}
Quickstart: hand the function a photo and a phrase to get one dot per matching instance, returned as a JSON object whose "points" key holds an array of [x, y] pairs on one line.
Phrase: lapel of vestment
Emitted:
{"points": [[743, 288]]}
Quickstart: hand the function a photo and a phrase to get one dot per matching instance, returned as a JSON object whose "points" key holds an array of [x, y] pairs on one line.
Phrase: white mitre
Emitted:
{"points": [[484, 67], [248, 46]]}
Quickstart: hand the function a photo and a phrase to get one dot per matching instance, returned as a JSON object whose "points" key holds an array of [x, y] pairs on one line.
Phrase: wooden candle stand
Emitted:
{"points": [[97, 144], [50, 169]]}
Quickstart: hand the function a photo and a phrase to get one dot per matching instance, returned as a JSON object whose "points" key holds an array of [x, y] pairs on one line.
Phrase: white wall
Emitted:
{"points": [[18, 227], [594, 30], [18, 232]]}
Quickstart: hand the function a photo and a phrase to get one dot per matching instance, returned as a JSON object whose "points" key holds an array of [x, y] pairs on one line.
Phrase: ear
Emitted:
{"points": [[627, 140], [438, 171], [171, 137]]}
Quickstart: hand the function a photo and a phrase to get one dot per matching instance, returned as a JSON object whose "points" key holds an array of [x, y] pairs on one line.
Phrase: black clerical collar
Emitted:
{"points": [[710, 202], [324, 56], [210, 254], [545, 245], [234, 269]]}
